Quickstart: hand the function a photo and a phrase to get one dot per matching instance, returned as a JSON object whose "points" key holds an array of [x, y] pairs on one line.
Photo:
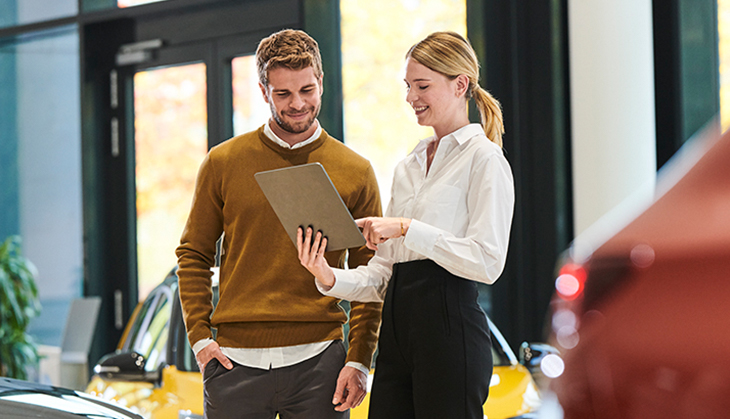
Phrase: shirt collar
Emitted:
{"points": [[466, 133], [461, 136], [275, 138]]}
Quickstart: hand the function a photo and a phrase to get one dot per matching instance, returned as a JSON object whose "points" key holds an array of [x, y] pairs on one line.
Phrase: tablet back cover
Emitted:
{"points": [[305, 196]]}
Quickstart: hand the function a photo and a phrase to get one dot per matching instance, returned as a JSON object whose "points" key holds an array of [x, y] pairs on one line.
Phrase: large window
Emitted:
{"points": [[22, 12], [376, 35], [40, 166]]}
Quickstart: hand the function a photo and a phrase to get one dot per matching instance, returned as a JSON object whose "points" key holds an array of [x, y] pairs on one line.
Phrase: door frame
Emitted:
{"points": [[226, 28]]}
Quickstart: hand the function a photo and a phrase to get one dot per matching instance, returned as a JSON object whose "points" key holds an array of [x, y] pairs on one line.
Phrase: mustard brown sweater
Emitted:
{"points": [[267, 299]]}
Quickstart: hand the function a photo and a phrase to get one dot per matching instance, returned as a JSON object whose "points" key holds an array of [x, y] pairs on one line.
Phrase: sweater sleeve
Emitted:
{"points": [[196, 253], [364, 317]]}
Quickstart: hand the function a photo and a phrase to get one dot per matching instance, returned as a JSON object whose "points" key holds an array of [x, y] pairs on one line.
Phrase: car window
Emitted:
{"points": [[155, 339], [499, 358], [158, 351], [182, 355], [502, 354], [157, 323], [156, 329], [140, 321], [148, 334], [187, 362]]}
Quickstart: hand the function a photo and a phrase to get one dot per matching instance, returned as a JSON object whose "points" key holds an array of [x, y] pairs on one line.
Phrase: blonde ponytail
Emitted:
{"points": [[451, 54], [490, 112]]}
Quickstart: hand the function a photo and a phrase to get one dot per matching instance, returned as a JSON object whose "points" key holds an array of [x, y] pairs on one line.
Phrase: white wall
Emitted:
{"points": [[612, 104]]}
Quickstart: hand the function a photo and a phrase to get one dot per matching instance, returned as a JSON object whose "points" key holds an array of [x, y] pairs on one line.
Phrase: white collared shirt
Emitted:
{"points": [[268, 358], [461, 211], [275, 138]]}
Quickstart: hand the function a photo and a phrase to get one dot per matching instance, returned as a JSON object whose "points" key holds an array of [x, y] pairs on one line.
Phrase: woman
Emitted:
{"points": [[446, 227]]}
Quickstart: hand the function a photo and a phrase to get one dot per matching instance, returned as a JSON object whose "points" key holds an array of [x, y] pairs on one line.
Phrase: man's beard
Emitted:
{"points": [[299, 127]]}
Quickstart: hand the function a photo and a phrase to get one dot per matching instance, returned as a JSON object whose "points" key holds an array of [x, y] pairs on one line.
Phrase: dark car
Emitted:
{"points": [[641, 317], [23, 399]]}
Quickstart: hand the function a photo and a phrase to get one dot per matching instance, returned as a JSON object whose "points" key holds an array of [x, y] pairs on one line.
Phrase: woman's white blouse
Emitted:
{"points": [[461, 213]]}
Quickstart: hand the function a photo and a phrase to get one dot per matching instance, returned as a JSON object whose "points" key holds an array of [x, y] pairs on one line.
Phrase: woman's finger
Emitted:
{"points": [[374, 240], [366, 224], [370, 243]]}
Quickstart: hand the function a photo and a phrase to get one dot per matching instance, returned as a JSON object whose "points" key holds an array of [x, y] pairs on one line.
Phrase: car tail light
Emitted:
{"points": [[571, 281]]}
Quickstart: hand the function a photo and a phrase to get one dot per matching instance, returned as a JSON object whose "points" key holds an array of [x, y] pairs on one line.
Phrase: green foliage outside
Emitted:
{"points": [[18, 305]]}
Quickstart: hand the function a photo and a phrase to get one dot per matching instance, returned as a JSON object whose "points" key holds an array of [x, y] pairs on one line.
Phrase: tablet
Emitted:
{"points": [[305, 196]]}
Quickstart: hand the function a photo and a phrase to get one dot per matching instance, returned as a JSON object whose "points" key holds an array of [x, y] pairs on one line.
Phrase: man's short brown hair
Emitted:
{"points": [[289, 48]]}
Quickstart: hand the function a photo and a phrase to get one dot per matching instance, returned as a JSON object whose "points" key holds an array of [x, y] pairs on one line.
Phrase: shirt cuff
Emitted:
{"points": [[343, 287], [321, 287], [359, 366], [421, 237], [202, 343]]}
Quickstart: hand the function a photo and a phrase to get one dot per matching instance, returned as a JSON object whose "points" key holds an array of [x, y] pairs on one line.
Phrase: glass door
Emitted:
{"points": [[250, 111], [170, 140], [185, 101], [157, 94]]}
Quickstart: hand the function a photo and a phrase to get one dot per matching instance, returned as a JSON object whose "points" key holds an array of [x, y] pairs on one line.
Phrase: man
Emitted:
{"points": [[278, 347]]}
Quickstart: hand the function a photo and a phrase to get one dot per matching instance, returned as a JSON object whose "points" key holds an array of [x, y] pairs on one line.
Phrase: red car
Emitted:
{"points": [[641, 318]]}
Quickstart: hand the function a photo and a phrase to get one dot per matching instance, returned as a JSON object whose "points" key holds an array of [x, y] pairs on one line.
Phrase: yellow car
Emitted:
{"points": [[153, 372]]}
